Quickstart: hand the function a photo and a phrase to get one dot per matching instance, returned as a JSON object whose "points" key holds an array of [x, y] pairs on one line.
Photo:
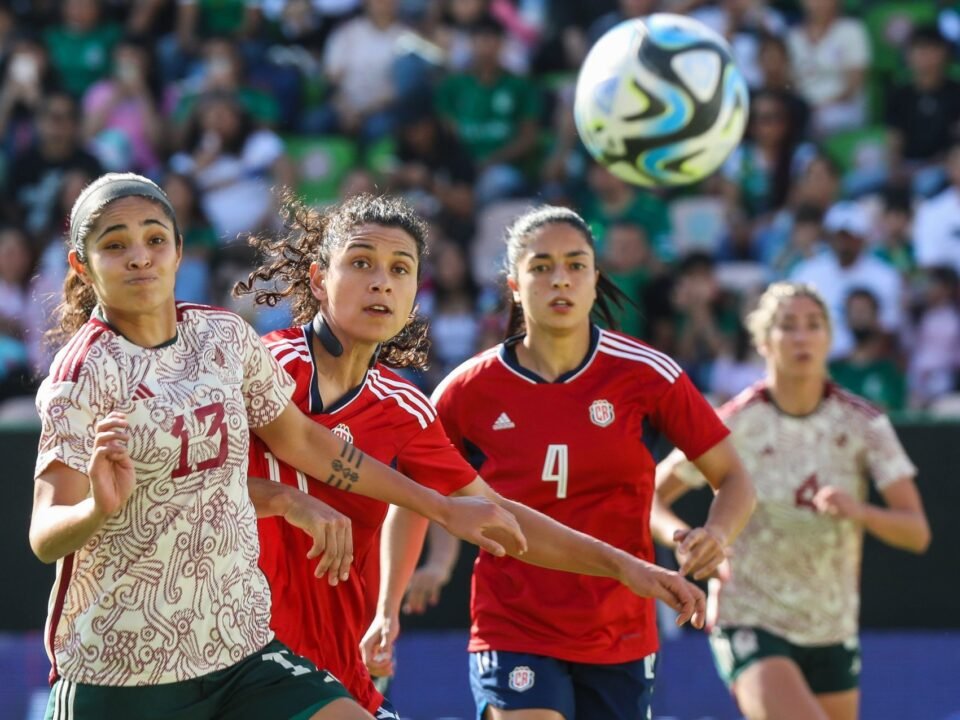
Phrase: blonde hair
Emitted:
{"points": [[761, 319]]}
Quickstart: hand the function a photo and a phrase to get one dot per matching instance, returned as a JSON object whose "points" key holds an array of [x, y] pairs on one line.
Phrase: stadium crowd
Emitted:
{"points": [[849, 177]]}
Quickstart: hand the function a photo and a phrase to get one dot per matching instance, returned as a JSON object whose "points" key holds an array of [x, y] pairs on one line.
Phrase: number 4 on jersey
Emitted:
{"points": [[555, 468]]}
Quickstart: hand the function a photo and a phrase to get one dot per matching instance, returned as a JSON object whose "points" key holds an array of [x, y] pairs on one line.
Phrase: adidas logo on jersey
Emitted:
{"points": [[503, 422]]}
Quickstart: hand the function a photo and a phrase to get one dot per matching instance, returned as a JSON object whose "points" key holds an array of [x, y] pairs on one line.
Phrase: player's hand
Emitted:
{"points": [[482, 522], [648, 580], [836, 503], [332, 534], [424, 588], [376, 647], [699, 551], [111, 471]]}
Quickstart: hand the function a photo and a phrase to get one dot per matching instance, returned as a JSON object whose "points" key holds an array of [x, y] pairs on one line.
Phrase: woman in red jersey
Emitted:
{"points": [[351, 275], [785, 613], [141, 496], [555, 418]]}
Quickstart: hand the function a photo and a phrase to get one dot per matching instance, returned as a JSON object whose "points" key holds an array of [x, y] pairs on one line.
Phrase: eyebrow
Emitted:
{"points": [[123, 226], [368, 246], [548, 256]]}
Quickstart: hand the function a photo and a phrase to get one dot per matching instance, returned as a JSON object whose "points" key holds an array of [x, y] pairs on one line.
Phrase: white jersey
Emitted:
{"points": [[169, 589], [796, 572]]}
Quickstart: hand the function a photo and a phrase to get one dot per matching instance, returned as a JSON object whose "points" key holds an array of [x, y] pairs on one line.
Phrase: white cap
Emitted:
{"points": [[848, 217]]}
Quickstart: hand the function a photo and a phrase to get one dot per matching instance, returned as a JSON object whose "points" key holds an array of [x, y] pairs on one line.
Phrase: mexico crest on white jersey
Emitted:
{"points": [[521, 678], [601, 412], [343, 432]]}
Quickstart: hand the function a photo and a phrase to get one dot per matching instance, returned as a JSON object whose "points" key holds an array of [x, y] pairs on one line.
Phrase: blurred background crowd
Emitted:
{"points": [[849, 176]]}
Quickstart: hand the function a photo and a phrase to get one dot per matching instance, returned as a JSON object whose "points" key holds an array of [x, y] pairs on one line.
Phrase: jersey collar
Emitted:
{"points": [[316, 402], [508, 356], [98, 315]]}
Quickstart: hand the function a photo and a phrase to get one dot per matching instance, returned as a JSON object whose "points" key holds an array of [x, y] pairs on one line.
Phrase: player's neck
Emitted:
{"points": [[796, 395], [148, 330], [338, 374], [551, 354]]}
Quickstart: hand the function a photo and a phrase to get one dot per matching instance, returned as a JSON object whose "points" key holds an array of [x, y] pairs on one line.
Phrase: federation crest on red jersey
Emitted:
{"points": [[342, 431], [601, 412]]}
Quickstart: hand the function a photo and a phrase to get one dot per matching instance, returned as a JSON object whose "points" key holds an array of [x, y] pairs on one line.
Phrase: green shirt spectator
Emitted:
{"points": [[879, 381], [220, 17], [261, 106], [487, 116], [81, 57]]}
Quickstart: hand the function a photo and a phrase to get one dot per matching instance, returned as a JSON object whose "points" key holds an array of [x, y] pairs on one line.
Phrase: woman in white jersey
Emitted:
{"points": [[785, 611], [141, 495]]}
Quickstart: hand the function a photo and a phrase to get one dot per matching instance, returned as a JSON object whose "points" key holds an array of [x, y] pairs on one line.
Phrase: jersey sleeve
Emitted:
{"points": [[432, 460], [885, 456], [267, 389], [446, 399], [687, 419], [67, 419]]}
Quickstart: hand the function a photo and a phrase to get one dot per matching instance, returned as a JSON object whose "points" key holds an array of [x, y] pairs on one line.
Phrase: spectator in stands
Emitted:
{"points": [[830, 55], [127, 103], [33, 180], [923, 115], [847, 266], [17, 260], [805, 241], [495, 114], [870, 369], [194, 276], [359, 63], [744, 23], [454, 31], [434, 166], [82, 44], [736, 368], [773, 57], [626, 9], [609, 200], [234, 165], [27, 78], [705, 316], [631, 265], [936, 232], [935, 343], [239, 21], [222, 71], [894, 241]]}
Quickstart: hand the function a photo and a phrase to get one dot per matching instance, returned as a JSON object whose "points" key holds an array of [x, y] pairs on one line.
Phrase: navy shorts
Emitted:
{"points": [[386, 711], [578, 691]]}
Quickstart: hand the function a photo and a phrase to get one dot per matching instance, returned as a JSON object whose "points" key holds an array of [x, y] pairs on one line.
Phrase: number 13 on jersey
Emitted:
{"points": [[555, 466]]}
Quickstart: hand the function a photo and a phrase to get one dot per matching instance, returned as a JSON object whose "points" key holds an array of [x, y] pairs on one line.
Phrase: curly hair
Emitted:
{"points": [[312, 235], [609, 296]]}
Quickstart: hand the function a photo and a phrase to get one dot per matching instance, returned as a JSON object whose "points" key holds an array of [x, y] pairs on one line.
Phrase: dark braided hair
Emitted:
{"points": [[313, 235], [608, 294]]}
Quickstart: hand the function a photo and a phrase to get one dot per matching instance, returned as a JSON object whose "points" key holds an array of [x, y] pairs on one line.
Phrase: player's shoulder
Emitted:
{"points": [[468, 371], [746, 401], [852, 403], [637, 356], [407, 398], [288, 345], [83, 350]]}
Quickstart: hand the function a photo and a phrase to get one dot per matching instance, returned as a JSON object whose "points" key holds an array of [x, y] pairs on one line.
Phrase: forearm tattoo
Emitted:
{"points": [[345, 470]]}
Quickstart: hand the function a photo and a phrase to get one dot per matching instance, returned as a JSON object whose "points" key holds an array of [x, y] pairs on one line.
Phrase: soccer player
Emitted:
{"points": [[555, 418], [785, 626], [351, 276], [141, 492]]}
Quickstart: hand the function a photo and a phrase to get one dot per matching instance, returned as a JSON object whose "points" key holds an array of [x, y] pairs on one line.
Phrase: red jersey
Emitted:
{"points": [[573, 449], [390, 420]]}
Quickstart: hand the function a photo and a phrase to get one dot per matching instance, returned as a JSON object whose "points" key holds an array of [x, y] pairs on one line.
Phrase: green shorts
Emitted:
{"points": [[826, 668], [272, 683]]}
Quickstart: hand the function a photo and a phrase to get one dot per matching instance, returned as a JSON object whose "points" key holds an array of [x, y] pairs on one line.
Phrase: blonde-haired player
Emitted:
{"points": [[784, 613]]}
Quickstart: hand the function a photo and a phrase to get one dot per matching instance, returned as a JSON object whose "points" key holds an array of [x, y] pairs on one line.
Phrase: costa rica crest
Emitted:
{"points": [[601, 412], [343, 432], [521, 678]]}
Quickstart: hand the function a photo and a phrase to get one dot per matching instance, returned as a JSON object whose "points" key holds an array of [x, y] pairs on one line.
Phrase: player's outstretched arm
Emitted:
{"points": [[700, 551], [556, 546], [70, 507], [313, 449], [331, 531]]}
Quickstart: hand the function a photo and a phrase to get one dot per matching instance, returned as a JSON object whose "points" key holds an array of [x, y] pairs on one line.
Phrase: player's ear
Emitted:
{"points": [[77, 266], [317, 277], [514, 289]]}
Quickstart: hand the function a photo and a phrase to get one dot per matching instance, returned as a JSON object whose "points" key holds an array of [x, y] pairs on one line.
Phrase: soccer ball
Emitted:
{"points": [[660, 102]]}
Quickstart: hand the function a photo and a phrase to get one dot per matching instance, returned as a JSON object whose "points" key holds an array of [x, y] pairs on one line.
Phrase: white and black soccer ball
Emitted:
{"points": [[660, 101]]}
